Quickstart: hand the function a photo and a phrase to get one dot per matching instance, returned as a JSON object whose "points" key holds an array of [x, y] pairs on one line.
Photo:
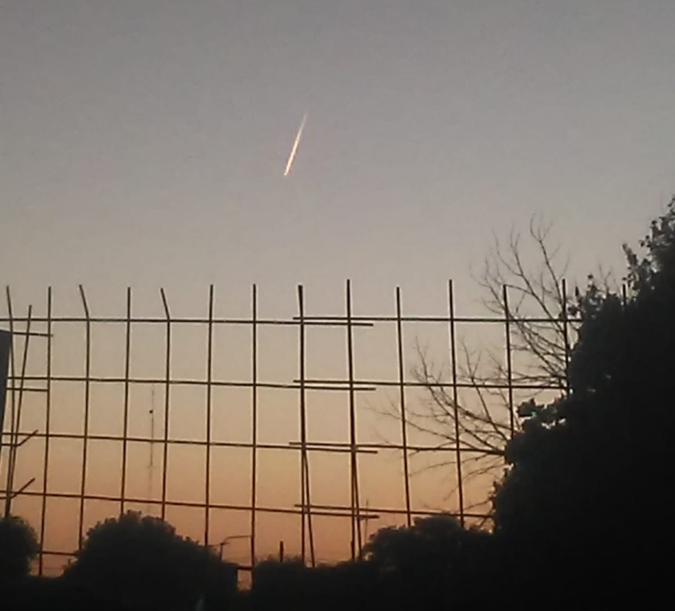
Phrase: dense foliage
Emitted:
{"points": [[596, 461], [142, 560], [18, 548]]}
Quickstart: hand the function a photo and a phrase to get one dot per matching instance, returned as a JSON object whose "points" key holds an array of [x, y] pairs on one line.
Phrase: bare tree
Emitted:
{"points": [[523, 280], [479, 429]]}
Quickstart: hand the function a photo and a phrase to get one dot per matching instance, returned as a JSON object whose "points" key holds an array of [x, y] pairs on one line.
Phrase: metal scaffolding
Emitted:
{"points": [[19, 381]]}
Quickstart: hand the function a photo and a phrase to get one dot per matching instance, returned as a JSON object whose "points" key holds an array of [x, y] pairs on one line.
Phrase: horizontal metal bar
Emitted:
{"points": [[337, 382], [398, 446], [310, 384], [181, 382], [317, 446], [181, 321], [395, 511], [194, 442], [212, 505], [17, 444], [337, 447], [438, 319], [321, 320], [28, 333], [345, 512]]}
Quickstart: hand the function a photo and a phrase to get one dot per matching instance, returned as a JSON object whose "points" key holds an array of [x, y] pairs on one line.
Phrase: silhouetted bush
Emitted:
{"points": [[143, 561], [278, 580], [434, 560], [18, 548]]}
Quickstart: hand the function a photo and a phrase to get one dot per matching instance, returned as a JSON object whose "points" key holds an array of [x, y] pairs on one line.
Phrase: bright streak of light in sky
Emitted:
{"points": [[294, 150]]}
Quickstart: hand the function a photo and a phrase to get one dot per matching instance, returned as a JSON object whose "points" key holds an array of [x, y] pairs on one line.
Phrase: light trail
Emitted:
{"points": [[294, 150]]}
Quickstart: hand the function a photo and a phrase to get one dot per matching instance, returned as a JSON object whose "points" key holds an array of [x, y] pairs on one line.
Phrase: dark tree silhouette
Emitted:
{"points": [[436, 559], [18, 548], [274, 579], [586, 468], [430, 540], [143, 561], [433, 562]]}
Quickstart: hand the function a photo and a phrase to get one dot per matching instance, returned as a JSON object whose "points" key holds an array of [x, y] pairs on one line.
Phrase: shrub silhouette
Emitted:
{"points": [[18, 548], [434, 559], [142, 560]]}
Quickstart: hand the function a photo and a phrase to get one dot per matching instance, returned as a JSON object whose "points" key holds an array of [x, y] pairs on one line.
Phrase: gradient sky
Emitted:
{"points": [[143, 143]]}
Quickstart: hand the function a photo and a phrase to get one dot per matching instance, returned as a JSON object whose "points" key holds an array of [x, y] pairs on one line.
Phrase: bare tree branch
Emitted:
{"points": [[531, 270]]}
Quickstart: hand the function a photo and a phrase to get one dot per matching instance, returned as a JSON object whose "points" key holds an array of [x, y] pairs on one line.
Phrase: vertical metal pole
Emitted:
{"points": [[566, 336], [455, 398], [209, 393], [306, 499], [254, 417], [301, 348], [12, 368], [85, 442], [5, 352], [167, 404], [509, 360], [402, 400], [5, 349], [355, 503], [48, 427], [16, 426], [125, 424], [151, 457]]}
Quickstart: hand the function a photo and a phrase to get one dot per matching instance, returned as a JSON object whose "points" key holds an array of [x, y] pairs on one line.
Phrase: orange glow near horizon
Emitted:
{"points": [[381, 477]]}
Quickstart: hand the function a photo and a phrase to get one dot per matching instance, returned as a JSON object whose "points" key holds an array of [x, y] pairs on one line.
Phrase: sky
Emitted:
{"points": [[143, 143]]}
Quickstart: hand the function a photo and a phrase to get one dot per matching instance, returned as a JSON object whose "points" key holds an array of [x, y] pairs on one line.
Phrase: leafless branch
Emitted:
{"points": [[530, 269]]}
